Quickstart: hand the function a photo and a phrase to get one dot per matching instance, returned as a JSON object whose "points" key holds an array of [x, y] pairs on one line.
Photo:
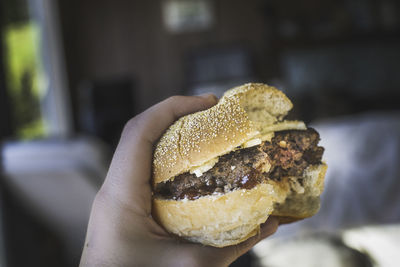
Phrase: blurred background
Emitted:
{"points": [[73, 72]]}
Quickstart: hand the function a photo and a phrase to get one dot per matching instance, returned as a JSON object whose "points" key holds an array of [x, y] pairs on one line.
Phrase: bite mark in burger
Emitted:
{"points": [[220, 173]]}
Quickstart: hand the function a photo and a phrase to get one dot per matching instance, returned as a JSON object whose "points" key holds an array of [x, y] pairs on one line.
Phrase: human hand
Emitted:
{"points": [[121, 230]]}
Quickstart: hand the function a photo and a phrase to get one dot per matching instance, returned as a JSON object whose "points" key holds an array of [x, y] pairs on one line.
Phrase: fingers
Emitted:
{"points": [[266, 229], [229, 254], [130, 170]]}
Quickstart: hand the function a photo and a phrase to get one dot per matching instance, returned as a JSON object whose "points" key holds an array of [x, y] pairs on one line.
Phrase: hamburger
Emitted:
{"points": [[220, 173]]}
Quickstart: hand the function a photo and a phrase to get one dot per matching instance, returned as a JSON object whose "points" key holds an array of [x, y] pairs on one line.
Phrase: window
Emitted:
{"points": [[34, 73]]}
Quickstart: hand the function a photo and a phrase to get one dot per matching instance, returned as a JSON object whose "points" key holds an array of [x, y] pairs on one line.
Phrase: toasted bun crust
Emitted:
{"points": [[242, 114]]}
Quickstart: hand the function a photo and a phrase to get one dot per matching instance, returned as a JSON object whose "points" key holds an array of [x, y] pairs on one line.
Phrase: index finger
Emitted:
{"points": [[130, 169]]}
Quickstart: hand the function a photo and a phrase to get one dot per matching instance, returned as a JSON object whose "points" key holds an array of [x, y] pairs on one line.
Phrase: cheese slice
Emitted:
{"points": [[199, 170]]}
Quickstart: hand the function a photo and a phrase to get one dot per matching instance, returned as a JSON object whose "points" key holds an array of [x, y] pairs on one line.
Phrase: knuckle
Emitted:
{"points": [[102, 197], [175, 99], [131, 123]]}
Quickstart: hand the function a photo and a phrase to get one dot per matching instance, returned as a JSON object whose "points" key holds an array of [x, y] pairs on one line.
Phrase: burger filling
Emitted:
{"points": [[287, 155]]}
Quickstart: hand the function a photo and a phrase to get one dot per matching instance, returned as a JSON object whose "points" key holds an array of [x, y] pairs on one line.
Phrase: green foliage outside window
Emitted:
{"points": [[25, 79]]}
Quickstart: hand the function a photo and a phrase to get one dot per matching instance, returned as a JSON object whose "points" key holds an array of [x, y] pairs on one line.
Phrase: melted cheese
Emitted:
{"points": [[267, 137], [267, 132], [199, 170], [252, 142], [283, 126]]}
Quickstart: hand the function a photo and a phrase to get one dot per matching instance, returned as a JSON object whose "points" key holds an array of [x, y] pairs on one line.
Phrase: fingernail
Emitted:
{"points": [[269, 227], [273, 220], [209, 96]]}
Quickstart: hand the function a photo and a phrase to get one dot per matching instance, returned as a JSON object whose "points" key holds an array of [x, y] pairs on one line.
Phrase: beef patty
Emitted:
{"points": [[288, 154]]}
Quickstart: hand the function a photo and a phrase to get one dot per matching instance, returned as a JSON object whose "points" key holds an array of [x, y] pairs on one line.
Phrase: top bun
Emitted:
{"points": [[243, 113]]}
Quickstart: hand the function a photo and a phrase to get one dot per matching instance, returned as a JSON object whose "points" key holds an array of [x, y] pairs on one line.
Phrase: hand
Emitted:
{"points": [[121, 230]]}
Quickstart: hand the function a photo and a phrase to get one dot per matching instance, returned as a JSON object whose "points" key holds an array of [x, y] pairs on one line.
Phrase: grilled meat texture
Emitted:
{"points": [[288, 154]]}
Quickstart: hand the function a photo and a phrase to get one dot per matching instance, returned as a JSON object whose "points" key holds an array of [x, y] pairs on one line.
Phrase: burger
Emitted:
{"points": [[220, 173]]}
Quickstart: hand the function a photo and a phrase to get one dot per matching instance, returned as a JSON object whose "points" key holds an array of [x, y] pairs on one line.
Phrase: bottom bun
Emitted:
{"points": [[228, 219]]}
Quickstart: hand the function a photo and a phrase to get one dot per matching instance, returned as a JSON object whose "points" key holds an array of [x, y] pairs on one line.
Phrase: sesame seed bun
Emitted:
{"points": [[245, 113]]}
